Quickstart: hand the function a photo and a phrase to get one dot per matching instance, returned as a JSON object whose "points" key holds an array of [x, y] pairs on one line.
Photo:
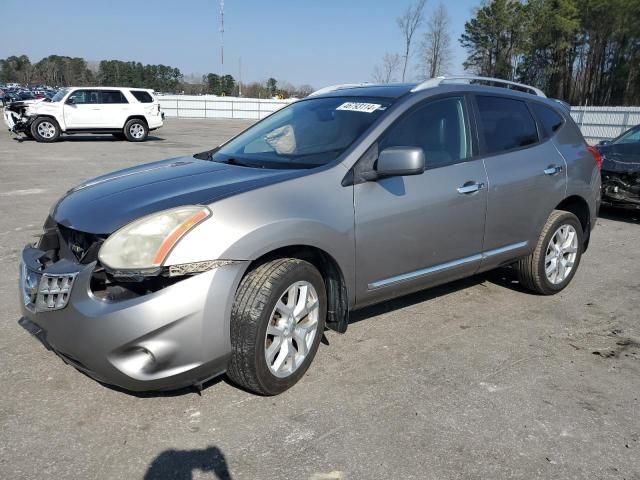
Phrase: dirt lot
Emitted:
{"points": [[476, 379]]}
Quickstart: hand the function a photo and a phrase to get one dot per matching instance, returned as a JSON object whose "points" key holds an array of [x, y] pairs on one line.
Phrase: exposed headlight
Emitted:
{"points": [[143, 245]]}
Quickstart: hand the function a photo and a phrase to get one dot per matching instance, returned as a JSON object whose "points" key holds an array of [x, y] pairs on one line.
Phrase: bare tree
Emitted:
{"points": [[409, 22], [385, 73], [436, 44]]}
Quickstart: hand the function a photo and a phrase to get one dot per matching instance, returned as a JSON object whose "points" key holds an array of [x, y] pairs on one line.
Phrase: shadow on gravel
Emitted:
{"points": [[181, 464], [504, 277], [620, 214], [88, 138]]}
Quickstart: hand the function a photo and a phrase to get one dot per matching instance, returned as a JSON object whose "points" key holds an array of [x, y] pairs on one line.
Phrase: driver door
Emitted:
{"points": [[416, 231], [83, 111]]}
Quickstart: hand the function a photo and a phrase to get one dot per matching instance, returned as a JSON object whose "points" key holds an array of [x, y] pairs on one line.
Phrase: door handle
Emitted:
{"points": [[552, 170], [469, 187]]}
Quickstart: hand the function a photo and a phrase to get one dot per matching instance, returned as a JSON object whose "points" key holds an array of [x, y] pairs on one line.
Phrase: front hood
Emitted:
{"points": [[104, 204], [613, 161]]}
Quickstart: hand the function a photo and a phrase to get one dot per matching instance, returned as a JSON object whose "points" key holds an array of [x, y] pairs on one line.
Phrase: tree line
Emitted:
{"points": [[62, 71], [580, 51]]}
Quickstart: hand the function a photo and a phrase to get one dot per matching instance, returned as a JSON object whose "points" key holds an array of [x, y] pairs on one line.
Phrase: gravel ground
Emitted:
{"points": [[476, 379]]}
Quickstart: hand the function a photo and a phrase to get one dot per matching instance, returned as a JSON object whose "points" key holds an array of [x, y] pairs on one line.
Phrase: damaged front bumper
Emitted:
{"points": [[621, 189], [15, 118], [166, 339]]}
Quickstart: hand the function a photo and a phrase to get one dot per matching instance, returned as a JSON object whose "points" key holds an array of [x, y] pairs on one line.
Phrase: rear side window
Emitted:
{"points": [[142, 96], [550, 119], [506, 124], [438, 127], [112, 96]]}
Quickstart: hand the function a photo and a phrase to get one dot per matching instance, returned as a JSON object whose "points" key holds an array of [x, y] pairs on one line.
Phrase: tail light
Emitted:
{"points": [[596, 156]]}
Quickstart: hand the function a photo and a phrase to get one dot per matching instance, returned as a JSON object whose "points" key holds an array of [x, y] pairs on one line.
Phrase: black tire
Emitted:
{"points": [[118, 136], [531, 269], [255, 300], [133, 125], [45, 124]]}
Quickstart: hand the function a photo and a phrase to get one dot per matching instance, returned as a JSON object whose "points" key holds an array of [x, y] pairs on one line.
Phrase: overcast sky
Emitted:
{"points": [[317, 42]]}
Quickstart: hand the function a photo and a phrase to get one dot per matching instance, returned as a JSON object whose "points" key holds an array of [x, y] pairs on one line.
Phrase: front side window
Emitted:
{"points": [[82, 97], [505, 124], [632, 136], [437, 127], [305, 134]]}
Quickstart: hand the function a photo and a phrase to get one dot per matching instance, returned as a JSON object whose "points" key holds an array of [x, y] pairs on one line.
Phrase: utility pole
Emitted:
{"points": [[240, 77], [222, 37]]}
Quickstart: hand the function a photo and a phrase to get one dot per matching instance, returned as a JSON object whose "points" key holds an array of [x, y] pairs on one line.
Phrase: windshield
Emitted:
{"points": [[305, 134], [59, 95], [631, 136]]}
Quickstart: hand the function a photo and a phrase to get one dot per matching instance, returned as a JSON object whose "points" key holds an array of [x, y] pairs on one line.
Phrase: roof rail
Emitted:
{"points": [[434, 82], [342, 86]]}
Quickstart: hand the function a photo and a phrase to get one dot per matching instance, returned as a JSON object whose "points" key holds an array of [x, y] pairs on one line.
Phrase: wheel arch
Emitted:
{"points": [[136, 117], [580, 208], [337, 296]]}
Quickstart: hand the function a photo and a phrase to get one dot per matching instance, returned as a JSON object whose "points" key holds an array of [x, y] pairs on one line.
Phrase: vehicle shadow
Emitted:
{"points": [[620, 214], [88, 138], [504, 277], [162, 393], [181, 464]]}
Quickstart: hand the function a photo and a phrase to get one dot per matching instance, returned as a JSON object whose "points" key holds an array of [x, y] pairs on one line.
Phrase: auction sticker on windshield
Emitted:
{"points": [[359, 107]]}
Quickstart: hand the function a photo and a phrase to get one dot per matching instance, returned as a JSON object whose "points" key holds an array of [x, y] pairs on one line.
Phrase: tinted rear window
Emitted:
{"points": [[142, 96], [111, 96], [550, 119], [506, 124]]}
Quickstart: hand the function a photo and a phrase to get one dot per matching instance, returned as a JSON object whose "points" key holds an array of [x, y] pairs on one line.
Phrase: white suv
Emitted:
{"points": [[129, 113]]}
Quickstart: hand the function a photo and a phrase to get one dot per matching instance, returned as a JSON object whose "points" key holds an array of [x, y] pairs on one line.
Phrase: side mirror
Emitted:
{"points": [[604, 142], [400, 161], [70, 101]]}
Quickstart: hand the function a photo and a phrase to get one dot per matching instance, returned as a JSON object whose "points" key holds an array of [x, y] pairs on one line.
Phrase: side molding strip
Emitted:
{"points": [[444, 266]]}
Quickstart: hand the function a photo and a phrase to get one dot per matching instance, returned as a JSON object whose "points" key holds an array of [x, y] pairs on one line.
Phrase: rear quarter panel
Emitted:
{"points": [[583, 176]]}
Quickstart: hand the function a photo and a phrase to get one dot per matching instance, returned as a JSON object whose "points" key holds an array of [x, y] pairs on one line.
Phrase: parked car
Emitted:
{"points": [[129, 113], [235, 260], [621, 169]]}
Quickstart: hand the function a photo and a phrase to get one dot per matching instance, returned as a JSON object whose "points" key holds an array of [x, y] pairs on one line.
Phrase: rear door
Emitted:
{"points": [[114, 108], [527, 176], [420, 230]]}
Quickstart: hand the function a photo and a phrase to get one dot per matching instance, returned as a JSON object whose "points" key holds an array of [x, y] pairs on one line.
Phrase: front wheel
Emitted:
{"points": [[136, 130], [45, 130], [277, 322], [553, 263]]}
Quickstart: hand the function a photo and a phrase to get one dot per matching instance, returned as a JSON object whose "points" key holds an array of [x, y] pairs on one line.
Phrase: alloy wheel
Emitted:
{"points": [[46, 129], [136, 130], [292, 328], [561, 254]]}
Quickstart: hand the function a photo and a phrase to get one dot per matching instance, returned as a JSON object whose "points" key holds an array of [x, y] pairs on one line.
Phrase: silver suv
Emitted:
{"points": [[236, 259]]}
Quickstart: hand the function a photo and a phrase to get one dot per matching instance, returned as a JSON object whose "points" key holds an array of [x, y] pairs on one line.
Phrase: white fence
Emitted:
{"points": [[209, 106], [596, 123]]}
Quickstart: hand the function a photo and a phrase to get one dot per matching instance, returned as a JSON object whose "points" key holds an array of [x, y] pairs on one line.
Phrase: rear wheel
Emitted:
{"points": [[136, 130], [553, 263], [277, 322], [45, 130]]}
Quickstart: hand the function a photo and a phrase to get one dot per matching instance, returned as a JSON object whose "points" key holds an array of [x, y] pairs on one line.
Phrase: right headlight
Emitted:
{"points": [[144, 244]]}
